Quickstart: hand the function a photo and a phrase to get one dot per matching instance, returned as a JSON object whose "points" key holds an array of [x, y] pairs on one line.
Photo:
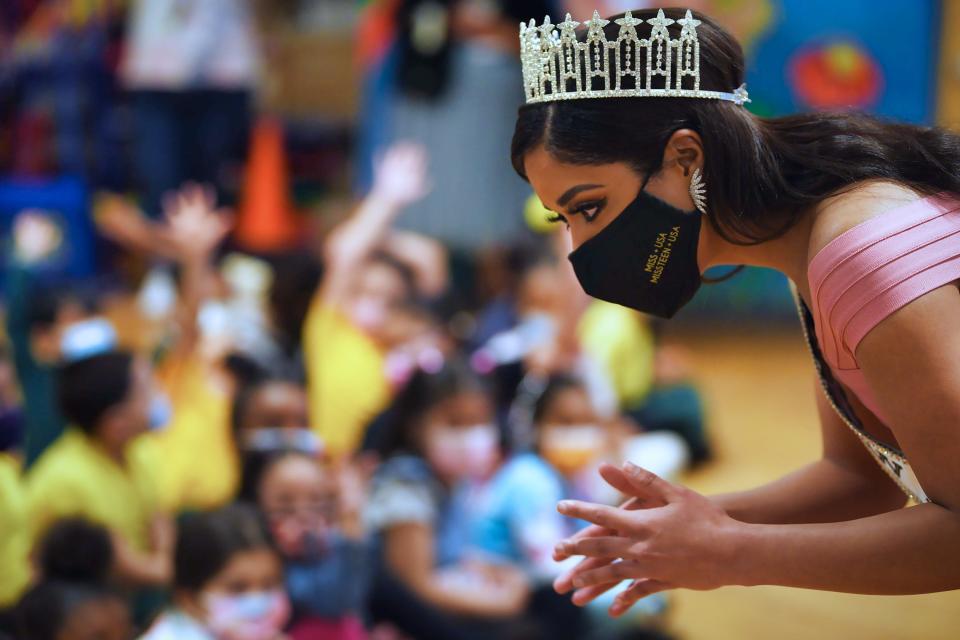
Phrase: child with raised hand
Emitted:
{"points": [[73, 600], [228, 581], [372, 272], [200, 466]]}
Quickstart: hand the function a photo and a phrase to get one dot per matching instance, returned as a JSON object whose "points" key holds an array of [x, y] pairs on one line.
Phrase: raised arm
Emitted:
{"points": [[399, 180], [194, 228]]}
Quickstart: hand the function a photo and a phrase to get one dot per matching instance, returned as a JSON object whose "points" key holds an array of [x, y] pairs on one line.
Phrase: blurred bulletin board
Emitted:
{"points": [[311, 73]]}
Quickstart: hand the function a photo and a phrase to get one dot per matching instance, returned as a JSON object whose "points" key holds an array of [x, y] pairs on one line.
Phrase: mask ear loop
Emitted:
{"points": [[723, 278]]}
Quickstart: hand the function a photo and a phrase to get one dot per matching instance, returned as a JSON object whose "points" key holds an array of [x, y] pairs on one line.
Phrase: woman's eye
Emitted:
{"points": [[590, 210]]}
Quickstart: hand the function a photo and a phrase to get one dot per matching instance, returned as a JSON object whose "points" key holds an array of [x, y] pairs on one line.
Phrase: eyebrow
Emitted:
{"points": [[572, 191]]}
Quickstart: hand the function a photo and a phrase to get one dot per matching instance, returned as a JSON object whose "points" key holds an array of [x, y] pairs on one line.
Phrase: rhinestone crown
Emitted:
{"points": [[556, 66]]}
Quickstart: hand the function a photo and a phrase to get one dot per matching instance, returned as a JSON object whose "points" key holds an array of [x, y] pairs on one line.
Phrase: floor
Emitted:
{"points": [[759, 393]]}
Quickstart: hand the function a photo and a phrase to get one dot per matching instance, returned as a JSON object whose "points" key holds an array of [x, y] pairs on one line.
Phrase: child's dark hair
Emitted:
{"points": [[555, 386], [88, 388], [75, 549], [207, 541], [256, 464], [424, 391], [45, 302], [295, 280], [75, 560]]}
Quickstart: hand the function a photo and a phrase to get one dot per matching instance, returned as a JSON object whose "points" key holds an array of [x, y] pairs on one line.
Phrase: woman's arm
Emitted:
{"points": [[907, 551], [911, 361], [845, 484], [409, 555], [690, 542]]}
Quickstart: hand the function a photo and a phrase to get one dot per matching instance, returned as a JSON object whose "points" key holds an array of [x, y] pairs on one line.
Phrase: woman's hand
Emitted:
{"points": [[681, 539]]}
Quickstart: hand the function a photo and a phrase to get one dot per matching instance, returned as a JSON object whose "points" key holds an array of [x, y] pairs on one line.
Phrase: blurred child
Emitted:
{"points": [[442, 434], [571, 439], [574, 439], [371, 273], [228, 581], [39, 309], [73, 601], [269, 415], [314, 514], [101, 470], [200, 469]]}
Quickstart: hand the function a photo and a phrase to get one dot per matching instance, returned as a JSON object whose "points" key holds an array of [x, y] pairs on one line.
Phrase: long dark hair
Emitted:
{"points": [[762, 173]]}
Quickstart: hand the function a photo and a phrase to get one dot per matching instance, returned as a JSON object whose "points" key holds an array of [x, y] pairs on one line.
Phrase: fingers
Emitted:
{"points": [[613, 572], [620, 520], [639, 589], [583, 597], [617, 478], [649, 485], [598, 547], [564, 582], [588, 532]]}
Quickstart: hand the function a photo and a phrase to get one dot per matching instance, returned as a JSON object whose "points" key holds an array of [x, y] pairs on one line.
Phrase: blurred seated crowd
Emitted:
{"points": [[355, 441]]}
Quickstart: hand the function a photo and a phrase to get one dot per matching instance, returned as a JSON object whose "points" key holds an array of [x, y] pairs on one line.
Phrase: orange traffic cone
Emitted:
{"points": [[267, 222]]}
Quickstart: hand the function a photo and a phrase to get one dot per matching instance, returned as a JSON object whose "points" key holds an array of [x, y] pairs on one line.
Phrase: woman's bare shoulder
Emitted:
{"points": [[845, 210]]}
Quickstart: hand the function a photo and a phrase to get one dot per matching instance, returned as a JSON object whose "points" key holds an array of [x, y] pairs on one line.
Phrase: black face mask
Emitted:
{"points": [[646, 259]]}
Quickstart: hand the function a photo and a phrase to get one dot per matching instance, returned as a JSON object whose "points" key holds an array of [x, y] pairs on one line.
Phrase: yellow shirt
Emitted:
{"points": [[621, 340], [74, 477], [14, 537], [200, 468], [346, 382]]}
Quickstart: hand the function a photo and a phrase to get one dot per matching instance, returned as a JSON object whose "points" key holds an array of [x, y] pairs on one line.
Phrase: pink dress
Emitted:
{"points": [[863, 276]]}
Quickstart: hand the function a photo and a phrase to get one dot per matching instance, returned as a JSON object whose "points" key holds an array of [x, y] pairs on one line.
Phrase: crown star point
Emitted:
{"points": [[596, 23], [688, 22], [661, 22], [628, 20], [546, 29], [569, 24]]}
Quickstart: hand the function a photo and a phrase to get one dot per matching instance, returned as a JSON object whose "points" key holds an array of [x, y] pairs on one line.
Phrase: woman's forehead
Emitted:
{"points": [[552, 178]]}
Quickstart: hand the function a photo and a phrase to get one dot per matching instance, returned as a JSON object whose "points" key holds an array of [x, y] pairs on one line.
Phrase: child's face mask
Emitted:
{"points": [[570, 448], [463, 452], [256, 615]]}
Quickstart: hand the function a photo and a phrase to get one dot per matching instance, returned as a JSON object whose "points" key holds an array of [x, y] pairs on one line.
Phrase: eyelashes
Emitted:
{"points": [[589, 210]]}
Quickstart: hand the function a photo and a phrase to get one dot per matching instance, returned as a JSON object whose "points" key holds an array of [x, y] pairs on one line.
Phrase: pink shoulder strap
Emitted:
{"points": [[872, 270]]}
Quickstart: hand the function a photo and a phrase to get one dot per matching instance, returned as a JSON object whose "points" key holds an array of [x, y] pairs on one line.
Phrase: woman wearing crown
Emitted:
{"points": [[634, 134]]}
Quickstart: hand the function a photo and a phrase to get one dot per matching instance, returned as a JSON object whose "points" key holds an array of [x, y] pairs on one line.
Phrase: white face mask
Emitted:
{"points": [[570, 448], [256, 615], [464, 452]]}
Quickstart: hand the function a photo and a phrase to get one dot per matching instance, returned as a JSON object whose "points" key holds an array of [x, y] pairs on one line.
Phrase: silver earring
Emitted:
{"points": [[698, 191]]}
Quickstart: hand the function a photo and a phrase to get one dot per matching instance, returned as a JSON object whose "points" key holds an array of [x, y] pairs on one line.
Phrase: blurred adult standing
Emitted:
{"points": [[456, 65], [192, 67]]}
